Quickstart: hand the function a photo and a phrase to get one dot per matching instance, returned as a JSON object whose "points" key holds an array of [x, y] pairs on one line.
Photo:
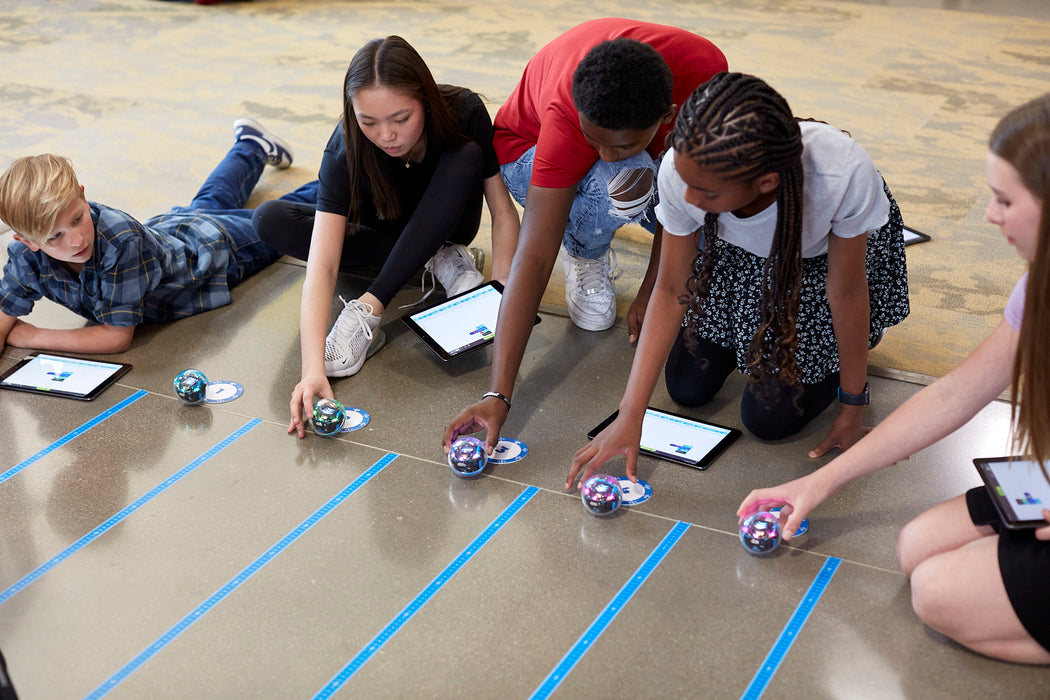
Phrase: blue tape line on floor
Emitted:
{"points": [[412, 608], [235, 582], [70, 435], [790, 632], [583, 644], [160, 488]]}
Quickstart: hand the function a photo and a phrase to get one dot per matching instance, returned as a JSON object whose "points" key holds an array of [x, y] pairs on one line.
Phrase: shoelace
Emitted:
{"points": [[596, 275], [426, 292], [355, 310], [448, 259]]}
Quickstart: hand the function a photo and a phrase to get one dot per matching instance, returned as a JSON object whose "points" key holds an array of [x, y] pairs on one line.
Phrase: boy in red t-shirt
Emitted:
{"points": [[579, 142]]}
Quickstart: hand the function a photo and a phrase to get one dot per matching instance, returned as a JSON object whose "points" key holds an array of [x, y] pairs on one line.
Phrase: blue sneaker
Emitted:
{"points": [[278, 153]]}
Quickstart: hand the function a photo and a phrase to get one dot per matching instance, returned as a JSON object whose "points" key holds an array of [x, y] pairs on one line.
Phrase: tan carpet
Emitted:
{"points": [[142, 94]]}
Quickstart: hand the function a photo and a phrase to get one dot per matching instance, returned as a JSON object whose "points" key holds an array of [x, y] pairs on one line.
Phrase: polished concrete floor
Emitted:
{"points": [[170, 551], [154, 550]]}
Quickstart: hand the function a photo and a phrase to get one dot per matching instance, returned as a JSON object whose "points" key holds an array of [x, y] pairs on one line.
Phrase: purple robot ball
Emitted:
{"points": [[467, 457], [328, 417], [760, 532], [601, 494], [190, 386]]}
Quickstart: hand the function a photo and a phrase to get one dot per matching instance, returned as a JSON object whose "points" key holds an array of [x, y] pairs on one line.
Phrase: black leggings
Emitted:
{"points": [[450, 210], [692, 382], [7, 689]]}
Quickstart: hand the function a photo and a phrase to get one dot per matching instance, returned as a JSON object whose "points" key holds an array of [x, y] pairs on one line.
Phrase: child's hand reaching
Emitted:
{"points": [[620, 437], [302, 403], [845, 432]]}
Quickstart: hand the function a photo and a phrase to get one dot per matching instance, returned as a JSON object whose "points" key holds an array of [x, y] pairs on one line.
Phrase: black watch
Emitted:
{"points": [[861, 399]]}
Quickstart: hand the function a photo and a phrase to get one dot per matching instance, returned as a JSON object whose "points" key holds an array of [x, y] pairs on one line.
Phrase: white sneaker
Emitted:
{"points": [[589, 291], [454, 267], [352, 340]]}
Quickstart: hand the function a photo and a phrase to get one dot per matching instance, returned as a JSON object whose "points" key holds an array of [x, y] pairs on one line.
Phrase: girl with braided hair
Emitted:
{"points": [[784, 253], [973, 579]]}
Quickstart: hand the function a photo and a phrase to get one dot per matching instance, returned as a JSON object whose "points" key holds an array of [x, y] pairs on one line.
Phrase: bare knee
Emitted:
{"points": [[929, 598], [944, 528], [631, 190], [911, 546]]}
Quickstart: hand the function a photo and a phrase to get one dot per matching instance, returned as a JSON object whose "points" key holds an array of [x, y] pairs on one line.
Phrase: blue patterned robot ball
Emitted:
{"points": [[328, 417], [467, 457], [601, 494], [190, 386], [760, 532]]}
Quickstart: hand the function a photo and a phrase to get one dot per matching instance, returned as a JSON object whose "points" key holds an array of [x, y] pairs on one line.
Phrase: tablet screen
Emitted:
{"points": [[1019, 489], [913, 236], [680, 439], [63, 376], [465, 322]]}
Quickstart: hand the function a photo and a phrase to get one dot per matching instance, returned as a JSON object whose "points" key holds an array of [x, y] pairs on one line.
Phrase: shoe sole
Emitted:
{"points": [[378, 341], [478, 256], [589, 325]]}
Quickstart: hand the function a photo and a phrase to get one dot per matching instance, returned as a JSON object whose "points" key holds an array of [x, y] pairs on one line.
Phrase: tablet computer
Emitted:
{"points": [[461, 323], [57, 375], [1019, 489], [694, 443], [913, 236]]}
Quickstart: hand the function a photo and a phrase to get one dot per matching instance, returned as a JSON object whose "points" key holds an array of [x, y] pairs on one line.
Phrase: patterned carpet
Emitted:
{"points": [[141, 95]]}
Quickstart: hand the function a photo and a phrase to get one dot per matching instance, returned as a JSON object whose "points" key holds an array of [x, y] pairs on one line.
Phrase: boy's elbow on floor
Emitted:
{"points": [[119, 340]]}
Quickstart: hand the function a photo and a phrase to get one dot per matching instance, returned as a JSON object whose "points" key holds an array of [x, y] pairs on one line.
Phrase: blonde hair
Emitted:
{"points": [[33, 192]]}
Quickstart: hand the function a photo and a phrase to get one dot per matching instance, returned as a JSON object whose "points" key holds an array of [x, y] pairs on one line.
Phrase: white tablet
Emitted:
{"points": [[912, 236], [694, 443], [460, 324], [57, 375], [1018, 488]]}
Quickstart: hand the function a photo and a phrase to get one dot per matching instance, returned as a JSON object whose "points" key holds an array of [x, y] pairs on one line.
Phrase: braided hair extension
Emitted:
{"points": [[738, 126]]}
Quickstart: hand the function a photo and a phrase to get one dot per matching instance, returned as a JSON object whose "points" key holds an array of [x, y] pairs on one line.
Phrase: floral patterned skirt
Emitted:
{"points": [[738, 283]]}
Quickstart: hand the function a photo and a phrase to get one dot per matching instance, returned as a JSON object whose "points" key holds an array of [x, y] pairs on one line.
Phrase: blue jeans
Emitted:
{"points": [[593, 221], [223, 196], [230, 184]]}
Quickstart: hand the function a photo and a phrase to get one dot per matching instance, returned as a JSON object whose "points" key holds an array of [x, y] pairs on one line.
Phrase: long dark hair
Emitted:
{"points": [[738, 126], [1022, 139], [394, 64]]}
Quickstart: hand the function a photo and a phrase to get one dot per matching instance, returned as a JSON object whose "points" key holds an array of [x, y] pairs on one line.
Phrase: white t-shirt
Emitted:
{"points": [[842, 194]]}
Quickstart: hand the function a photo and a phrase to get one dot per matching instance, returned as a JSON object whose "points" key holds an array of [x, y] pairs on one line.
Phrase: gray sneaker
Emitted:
{"points": [[455, 268], [354, 338], [589, 291]]}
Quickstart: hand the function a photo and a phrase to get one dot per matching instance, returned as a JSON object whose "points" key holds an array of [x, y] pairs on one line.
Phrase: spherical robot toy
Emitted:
{"points": [[760, 532], [467, 457], [191, 386], [328, 417], [601, 494]]}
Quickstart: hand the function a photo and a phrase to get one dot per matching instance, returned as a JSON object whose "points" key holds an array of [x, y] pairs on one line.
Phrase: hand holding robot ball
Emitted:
{"points": [[191, 386], [467, 457], [328, 417], [760, 532], [601, 494]]}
